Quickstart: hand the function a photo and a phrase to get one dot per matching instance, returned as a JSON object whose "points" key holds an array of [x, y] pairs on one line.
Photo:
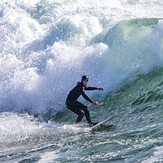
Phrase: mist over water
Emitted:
{"points": [[45, 48]]}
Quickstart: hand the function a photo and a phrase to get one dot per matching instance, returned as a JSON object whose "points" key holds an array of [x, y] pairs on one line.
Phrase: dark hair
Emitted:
{"points": [[85, 77]]}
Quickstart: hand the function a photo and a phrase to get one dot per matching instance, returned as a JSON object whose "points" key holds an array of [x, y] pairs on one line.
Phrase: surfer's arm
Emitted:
{"points": [[94, 88], [87, 98], [90, 88], [84, 95]]}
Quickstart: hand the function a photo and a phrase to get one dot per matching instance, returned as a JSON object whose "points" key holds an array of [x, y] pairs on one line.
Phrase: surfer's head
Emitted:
{"points": [[84, 80]]}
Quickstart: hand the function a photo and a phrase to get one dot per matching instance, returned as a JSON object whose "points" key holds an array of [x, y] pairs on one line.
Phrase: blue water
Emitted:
{"points": [[45, 48]]}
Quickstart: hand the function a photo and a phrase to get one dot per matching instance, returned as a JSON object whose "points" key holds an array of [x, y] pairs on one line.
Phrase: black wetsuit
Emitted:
{"points": [[76, 106]]}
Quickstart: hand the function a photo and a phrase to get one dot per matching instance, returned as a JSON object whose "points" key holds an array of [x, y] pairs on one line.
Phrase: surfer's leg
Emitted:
{"points": [[76, 107], [87, 115], [78, 112], [86, 111], [83, 107]]}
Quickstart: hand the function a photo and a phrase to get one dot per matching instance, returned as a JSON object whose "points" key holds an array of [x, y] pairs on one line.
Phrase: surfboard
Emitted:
{"points": [[100, 123]]}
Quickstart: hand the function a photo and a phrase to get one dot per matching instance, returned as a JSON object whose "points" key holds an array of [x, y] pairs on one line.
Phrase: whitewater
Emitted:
{"points": [[45, 48]]}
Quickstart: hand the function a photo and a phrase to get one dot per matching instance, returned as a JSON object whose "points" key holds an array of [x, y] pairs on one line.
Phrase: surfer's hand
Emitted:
{"points": [[100, 88], [95, 103]]}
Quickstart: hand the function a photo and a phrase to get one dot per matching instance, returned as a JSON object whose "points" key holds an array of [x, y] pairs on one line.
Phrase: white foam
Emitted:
{"points": [[16, 129], [158, 156]]}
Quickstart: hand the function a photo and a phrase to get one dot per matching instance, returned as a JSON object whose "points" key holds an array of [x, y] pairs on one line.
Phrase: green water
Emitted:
{"points": [[132, 136]]}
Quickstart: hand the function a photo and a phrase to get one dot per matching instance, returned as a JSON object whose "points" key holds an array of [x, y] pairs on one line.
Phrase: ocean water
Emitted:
{"points": [[45, 48]]}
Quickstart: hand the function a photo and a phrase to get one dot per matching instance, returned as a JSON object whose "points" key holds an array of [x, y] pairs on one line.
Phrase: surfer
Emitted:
{"points": [[78, 107]]}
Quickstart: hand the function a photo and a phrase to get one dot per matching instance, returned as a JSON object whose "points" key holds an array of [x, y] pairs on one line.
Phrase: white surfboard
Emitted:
{"points": [[100, 123]]}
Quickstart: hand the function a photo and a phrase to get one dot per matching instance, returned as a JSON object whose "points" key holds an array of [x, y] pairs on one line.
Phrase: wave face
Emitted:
{"points": [[45, 48]]}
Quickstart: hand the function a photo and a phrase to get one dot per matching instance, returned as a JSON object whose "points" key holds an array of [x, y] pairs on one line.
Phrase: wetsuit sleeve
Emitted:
{"points": [[84, 95], [90, 88]]}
